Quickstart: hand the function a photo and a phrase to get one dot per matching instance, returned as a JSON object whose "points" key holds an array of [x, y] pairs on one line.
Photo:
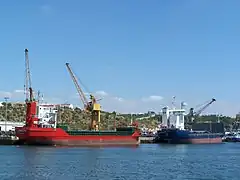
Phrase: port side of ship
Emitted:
{"points": [[42, 129], [41, 126], [173, 130]]}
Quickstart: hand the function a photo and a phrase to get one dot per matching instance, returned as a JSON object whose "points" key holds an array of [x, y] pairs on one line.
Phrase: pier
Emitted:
{"points": [[8, 140], [147, 139]]}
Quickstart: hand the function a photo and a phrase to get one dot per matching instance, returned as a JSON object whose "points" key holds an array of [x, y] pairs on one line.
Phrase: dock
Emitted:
{"points": [[147, 139], [8, 140]]}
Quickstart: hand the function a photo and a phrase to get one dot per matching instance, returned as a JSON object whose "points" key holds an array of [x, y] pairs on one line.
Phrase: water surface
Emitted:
{"points": [[148, 161]]}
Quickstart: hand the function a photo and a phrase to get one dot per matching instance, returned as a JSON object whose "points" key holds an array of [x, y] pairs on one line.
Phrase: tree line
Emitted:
{"points": [[76, 118]]}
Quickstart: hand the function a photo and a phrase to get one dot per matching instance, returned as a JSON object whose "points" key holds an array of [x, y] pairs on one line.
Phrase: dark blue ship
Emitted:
{"points": [[177, 136], [173, 128]]}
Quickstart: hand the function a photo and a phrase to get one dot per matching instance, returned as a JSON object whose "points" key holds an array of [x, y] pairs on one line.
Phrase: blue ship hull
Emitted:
{"points": [[177, 136]]}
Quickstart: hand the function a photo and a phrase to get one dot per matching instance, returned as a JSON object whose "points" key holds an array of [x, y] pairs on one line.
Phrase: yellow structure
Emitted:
{"points": [[93, 107]]}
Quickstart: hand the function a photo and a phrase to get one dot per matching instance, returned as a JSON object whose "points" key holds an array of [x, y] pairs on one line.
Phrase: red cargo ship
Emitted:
{"points": [[60, 138], [41, 126], [44, 131]]}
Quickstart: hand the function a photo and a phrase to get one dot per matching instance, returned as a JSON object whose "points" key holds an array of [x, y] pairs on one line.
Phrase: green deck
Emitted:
{"points": [[121, 131]]}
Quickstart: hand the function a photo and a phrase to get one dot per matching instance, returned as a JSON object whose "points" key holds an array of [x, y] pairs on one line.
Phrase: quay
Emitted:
{"points": [[8, 140], [146, 139]]}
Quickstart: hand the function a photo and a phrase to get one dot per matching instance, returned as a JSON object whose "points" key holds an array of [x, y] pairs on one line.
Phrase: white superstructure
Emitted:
{"points": [[10, 125], [173, 118], [47, 115]]}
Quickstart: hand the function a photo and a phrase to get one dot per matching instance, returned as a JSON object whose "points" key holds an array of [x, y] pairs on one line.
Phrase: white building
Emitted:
{"points": [[9, 125], [57, 105], [66, 105]]}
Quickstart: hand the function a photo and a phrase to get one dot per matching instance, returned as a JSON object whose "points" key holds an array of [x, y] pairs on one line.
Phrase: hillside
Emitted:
{"points": [[76, 118]]}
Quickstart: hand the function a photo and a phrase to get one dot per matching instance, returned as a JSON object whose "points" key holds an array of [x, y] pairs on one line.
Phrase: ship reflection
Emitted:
{"points": [[178, 148]]}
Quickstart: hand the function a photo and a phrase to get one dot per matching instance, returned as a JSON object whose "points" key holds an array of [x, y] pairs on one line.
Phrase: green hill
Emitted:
{"points": [[76, 118]]}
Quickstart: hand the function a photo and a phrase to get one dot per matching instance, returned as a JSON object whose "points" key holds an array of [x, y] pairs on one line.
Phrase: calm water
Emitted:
{"points": [[148, 161]]}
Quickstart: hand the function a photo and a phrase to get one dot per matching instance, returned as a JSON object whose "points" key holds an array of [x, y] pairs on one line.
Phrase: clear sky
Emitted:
{"points": [[129, 49]]}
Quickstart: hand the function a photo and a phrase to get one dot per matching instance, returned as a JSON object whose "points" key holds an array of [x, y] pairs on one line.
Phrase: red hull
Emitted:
{"points": [[203, 141], [58, 137]]}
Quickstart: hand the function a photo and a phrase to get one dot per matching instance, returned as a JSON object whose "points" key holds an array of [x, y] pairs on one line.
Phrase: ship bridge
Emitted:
{"points": [[47, 115], [173, 118]]}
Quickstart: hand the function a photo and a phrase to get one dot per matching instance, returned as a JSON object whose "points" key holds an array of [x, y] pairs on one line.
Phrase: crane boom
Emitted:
{"points": [[197, 113], [79, 90], [93, 107], [193, 114], [28, 82]]}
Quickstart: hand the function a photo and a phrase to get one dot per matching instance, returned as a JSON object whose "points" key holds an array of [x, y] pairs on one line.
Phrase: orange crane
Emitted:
{"points": [[89, 106]]}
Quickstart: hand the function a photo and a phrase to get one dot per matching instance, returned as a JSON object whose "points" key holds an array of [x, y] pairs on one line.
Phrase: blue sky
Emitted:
{"points": [[129, 49]]}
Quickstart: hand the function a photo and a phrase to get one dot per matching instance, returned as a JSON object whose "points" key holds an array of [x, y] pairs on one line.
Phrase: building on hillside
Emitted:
{"points": [[58, 105], [18, 102], [150, 113], [14, 103], [42, 104], [66, 105], [10, 126]]}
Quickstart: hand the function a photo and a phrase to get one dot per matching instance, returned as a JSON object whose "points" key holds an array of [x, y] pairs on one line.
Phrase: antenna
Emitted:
{"points": [[173, 101], [42, 98], [38, 96]]}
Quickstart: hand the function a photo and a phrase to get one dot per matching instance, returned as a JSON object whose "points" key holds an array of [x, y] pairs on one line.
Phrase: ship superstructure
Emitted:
{"points": [[47, 116], [173, 118]]}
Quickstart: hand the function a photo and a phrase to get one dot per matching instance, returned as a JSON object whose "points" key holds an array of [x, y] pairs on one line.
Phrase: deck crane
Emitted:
{"points": [[28, 82], [31, 119], [91, 106], [193, 114]]}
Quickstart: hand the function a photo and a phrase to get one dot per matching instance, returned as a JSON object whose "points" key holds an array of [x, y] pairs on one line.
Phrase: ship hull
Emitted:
{"points": [[175, 136], [196, 141], [58, 137], [86, 143]]}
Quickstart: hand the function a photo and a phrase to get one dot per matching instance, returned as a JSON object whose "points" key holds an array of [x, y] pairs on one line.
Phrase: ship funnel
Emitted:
{"points": [[183, 105]]}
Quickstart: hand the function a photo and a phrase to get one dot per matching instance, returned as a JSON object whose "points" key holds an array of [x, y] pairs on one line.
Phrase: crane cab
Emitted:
{"points": [[96, 107]]}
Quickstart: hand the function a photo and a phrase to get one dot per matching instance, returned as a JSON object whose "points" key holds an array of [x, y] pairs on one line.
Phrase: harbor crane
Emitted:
{"points": [[236, 123], [194, 114], [91, 106]]}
